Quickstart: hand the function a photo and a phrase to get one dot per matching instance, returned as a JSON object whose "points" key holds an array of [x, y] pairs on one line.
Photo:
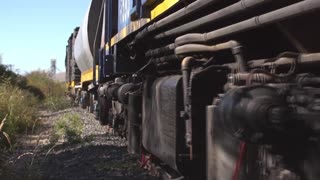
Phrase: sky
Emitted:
{"points": [[32, 32]]}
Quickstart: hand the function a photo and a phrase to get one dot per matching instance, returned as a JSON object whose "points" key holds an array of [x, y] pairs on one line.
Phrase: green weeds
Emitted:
{"points": [[69, 128]]}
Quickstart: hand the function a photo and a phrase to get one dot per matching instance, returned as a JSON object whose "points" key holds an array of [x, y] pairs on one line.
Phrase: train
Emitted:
{"points": [[205, 89]]}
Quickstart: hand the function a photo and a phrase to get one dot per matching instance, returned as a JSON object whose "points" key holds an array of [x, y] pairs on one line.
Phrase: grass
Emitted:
{"points": [[21, 97], [20, 100], [17, 104], [18, 112], [20, 107], [69, 128], [56, 103], [55, 92], [4, 137]]}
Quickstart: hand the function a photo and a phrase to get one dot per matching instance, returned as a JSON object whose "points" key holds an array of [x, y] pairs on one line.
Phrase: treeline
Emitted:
{"points": [[21, 97]]}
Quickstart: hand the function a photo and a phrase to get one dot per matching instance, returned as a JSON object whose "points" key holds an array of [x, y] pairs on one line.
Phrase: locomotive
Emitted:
{"points": [[205, 89]]}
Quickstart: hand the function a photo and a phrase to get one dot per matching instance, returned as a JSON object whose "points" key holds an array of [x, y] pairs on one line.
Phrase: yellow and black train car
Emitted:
{"points": [[206, 89]]}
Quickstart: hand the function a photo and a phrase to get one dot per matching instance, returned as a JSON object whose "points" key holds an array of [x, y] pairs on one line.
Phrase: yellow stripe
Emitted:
{"points": [[71, 84], [135, 25], [107, 47], [88, 75], [113, 40], [162, 7]]}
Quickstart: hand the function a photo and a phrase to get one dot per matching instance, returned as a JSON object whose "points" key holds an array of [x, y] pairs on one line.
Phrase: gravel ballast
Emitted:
{"points": [[98, 155]]}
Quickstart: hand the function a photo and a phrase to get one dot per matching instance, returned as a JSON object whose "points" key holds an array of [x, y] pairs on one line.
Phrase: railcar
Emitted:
{"points": [[207, 89], [73, 73]]}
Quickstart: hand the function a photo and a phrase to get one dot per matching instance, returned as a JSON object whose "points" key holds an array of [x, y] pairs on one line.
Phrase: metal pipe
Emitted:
{"points": [[240, 78], [134, 122], [163, 59], [255, 22], [186, 65], [182, 13], [303, 59], [237, 53], [231, 10], [308, 80], [198, 48], [160, 51]]}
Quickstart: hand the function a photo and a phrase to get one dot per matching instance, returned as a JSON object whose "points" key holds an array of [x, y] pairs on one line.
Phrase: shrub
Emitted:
{"points": [[35, 92], [20, 97], [19, 106], [54, 92]]}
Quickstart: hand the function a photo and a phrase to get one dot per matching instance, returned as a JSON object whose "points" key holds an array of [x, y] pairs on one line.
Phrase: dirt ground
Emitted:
{"points": [[99, 154]]}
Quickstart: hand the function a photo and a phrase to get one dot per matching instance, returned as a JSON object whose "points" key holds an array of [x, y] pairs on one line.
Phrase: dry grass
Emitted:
{"points": [[19, 106], [4, 137], [54, 92], [20, 101]]}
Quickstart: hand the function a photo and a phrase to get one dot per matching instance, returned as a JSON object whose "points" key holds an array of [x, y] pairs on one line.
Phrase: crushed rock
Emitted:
{"points": [[100, 155]]}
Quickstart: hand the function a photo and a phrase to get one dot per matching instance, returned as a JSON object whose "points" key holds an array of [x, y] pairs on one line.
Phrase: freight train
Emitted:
{"points": [[205, 89]]}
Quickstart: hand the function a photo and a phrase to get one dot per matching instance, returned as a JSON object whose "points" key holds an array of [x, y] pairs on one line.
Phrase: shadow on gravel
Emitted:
{"points": [[79, 161], [92, 162], [54, 113], [97, 155]]}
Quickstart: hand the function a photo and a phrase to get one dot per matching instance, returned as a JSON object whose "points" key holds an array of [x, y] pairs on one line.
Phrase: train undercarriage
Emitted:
{"points": [[217, 90]]}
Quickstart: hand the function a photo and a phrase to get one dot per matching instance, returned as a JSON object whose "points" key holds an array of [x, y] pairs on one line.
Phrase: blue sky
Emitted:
{"points": [[34, 31]]}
